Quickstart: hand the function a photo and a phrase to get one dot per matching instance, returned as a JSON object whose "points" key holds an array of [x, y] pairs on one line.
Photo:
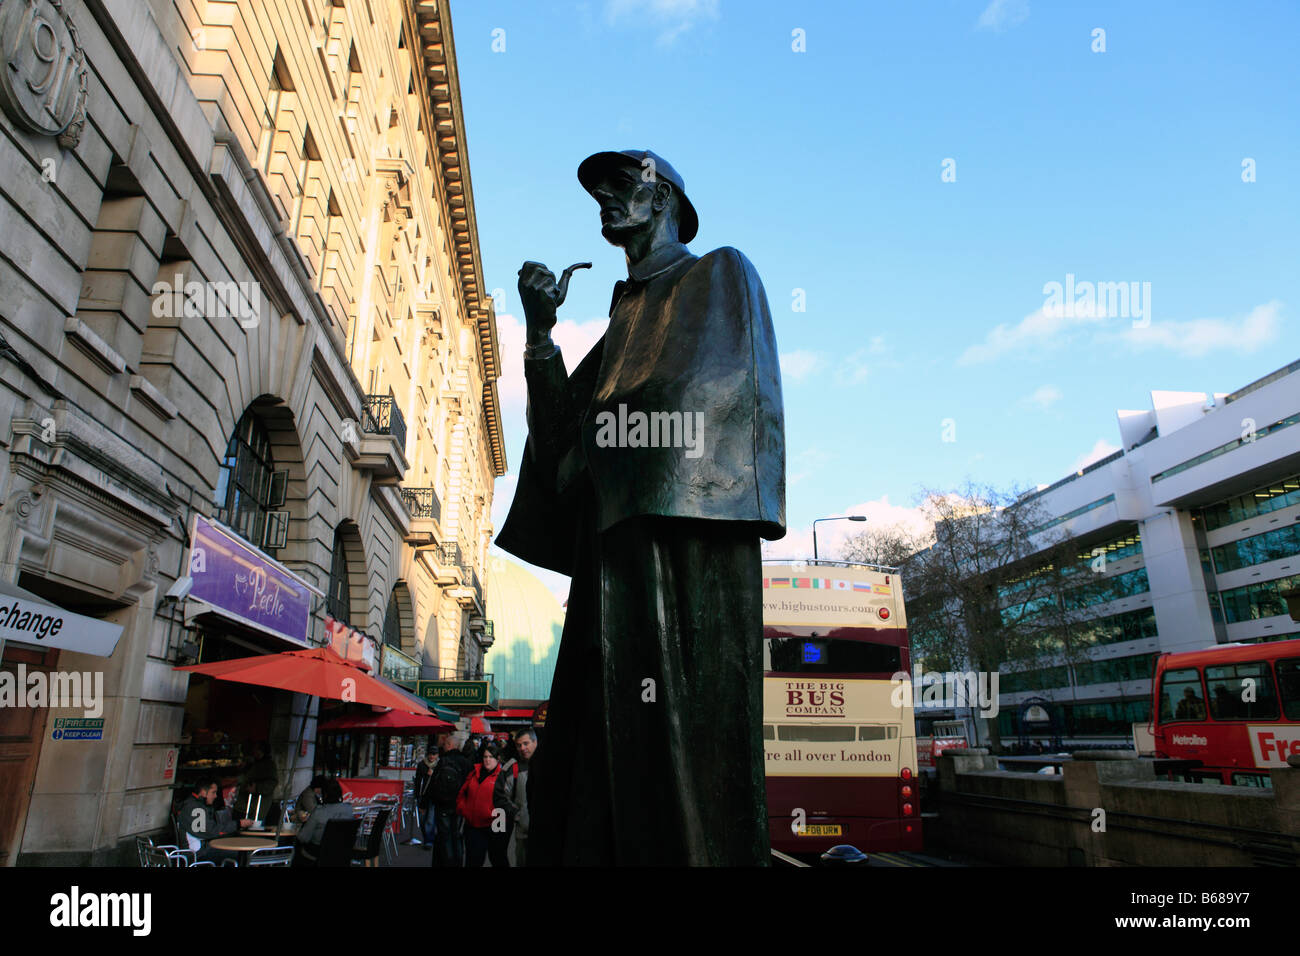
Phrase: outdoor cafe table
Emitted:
{"points": [[243, 845]]}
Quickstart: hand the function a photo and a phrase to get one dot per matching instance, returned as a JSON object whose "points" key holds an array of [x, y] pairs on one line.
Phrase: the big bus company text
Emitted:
{"points": [[840, 755]]}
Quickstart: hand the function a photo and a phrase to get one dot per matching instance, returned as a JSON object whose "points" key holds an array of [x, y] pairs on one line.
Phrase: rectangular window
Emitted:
{"points": [[878, 732], [1181, 697], [1273, 497], [1255, 601], [1241, 691], [1225, 448], [813, 733], [1288, 681], [810, 655], [1281, 542]]}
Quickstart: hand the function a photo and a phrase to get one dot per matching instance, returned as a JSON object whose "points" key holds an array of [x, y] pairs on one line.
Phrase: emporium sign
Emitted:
{"points": [[43, 77], [241, 583], [460, 693]]}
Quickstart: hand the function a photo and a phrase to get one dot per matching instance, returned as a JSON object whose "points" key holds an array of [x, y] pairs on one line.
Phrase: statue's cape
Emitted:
{"points": [[676, 412]]}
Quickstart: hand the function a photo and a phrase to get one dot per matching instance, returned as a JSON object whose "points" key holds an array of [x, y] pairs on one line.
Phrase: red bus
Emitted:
{"points": [[1235, 708], [839, 738]]}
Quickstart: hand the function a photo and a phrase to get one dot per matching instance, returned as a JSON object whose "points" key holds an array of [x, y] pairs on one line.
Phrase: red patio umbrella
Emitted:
{"points": [[478, 725], [392, 720], [317, 671]]}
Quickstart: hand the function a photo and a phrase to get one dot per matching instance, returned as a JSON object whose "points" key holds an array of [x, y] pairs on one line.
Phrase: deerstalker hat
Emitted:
{"points": [[591, 168]]}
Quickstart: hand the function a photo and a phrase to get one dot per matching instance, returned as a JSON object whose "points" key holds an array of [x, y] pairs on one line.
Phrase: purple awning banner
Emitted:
{"points": [[240, 582]]}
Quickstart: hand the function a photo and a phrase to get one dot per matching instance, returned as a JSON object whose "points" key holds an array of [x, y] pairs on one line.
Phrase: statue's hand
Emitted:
{"points": [[540, 297]]}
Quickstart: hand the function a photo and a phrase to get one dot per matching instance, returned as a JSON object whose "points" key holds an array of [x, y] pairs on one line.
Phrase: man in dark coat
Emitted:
{"points": [[649, 476]]}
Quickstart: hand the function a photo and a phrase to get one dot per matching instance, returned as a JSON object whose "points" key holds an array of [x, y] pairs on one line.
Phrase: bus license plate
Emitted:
{"points": [[820, 829]]}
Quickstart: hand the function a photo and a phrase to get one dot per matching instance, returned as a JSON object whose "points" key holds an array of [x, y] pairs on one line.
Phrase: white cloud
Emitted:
{"points": [[575, 340], [832, 535], [796, 366], [805, 464], [671, 17], [1004, 14], [860, 363], [1044, 396], [1200, 337], [1098, 452], [1043, 329]]}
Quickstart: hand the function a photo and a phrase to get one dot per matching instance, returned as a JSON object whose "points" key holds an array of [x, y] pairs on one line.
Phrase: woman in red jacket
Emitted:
{"points": [[474, 803]]}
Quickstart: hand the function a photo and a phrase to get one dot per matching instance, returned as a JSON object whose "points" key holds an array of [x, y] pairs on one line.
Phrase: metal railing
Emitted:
{"points": [[422, 503], [380, 415], [449, 552], [473, 582]]}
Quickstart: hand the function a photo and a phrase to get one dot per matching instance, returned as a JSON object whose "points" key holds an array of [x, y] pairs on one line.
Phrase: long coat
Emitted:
{"points": [[652, 751]]}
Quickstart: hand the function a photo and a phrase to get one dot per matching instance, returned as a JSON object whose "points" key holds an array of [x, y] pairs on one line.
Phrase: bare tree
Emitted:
{"points": [[997, 585], [889, 546]]}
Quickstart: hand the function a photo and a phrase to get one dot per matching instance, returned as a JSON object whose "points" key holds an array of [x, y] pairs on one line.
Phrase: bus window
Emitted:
{"points": [[804, 655], [769, 732], [1288, 679], [810, 733], [878, 732], [1252, 780], [1241, 692], [1180, 696]]}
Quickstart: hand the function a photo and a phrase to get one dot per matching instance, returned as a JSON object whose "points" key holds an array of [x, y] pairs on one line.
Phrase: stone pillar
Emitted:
{"points": [[1085, 776]]}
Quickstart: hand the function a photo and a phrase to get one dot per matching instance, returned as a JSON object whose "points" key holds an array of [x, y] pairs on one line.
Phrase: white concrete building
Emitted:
{"points": [[1199, 516]]}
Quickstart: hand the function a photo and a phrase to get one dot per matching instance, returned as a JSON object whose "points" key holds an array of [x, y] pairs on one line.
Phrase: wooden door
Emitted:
{"points": [[22, 729]]}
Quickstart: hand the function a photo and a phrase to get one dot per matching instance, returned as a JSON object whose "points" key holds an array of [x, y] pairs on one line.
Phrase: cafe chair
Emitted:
{"points": [[337, 842], [378, 825], [272, 856], [143, 844]]}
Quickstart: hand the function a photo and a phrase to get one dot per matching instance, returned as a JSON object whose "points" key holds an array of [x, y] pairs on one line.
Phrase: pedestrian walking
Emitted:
{"points": [[483, 821], [445, 783], [427, 821]]}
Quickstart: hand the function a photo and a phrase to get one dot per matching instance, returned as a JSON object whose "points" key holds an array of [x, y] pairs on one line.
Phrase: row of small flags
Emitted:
{"points": [[828, 584]]}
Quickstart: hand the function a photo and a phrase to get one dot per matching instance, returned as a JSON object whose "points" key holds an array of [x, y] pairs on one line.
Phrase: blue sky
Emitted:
{"points": [[924, 299]]}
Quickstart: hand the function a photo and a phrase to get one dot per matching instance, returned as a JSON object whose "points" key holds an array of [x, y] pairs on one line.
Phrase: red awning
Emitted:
{"points": [[395, 721], [317, 671], [509, 712]]}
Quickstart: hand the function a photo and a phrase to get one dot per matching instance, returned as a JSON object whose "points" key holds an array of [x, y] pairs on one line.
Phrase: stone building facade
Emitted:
{"points": [[240, 282]]}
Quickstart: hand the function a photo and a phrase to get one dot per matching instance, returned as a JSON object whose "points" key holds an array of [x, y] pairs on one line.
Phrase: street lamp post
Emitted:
{"points": [[841, 518]]}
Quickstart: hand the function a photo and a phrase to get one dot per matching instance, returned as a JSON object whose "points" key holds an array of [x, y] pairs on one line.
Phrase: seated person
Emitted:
{"points": [[200, 824], [309, 799], [1190, 707], [331, 807]]}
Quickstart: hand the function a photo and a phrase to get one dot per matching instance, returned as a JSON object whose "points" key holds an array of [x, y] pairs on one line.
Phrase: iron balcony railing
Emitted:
{"points": [[450, 552], [478, 587], [381, 416], [455, 556], [422, 503]]}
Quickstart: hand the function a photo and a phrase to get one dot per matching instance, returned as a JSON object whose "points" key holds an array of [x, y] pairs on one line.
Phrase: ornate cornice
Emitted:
{"points": [[441, 78]]}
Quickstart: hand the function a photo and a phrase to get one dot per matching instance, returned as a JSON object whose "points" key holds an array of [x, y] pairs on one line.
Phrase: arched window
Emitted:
{"points": [[249, 489], [393, 623], [338, 604]]}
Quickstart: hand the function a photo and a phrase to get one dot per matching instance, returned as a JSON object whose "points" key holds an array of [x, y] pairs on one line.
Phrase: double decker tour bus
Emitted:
{"points": [[838, 733], [1235, 708]]}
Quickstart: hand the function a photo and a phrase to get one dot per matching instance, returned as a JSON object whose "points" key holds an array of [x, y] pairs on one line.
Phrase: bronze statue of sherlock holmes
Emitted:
{"points": [[649, 475]]}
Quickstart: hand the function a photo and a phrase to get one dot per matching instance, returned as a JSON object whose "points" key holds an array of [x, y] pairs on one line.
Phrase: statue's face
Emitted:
{"points": [[628, 204]]}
